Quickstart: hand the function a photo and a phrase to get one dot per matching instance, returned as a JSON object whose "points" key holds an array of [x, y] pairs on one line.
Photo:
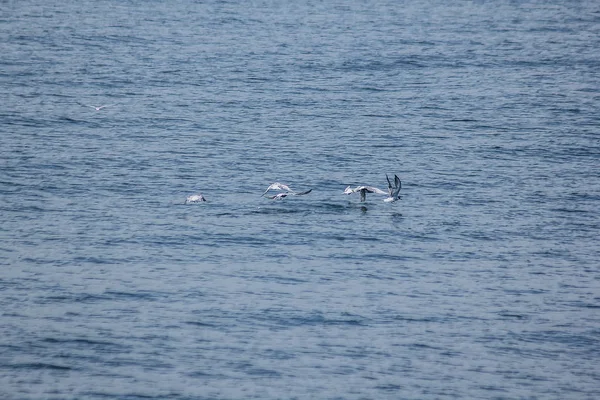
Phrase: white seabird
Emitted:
{"points": [[195, 198], [393, 191], [278, 186], [98, 108], [281, 195], [363, 191]]}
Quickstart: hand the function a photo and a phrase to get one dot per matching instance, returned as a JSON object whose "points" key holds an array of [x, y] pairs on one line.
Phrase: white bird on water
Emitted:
{"points": [[195, 198], [363, 190], [393, 191]]}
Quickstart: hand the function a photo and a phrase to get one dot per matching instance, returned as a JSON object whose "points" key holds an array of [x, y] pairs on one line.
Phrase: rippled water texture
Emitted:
{"points": [[483, 281]]}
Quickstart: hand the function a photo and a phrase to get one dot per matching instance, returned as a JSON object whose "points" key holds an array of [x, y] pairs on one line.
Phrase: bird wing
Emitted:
{"points": [[271, 186], [278, 186], [303, 193], [398, 185], [372, 189]]}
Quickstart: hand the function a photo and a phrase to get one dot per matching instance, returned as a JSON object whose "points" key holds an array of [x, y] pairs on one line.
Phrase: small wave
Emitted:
{"points": [[40, 365]]}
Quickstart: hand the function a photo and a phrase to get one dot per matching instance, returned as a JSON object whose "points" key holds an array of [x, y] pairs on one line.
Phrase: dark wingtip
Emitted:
{"points": [[303, 193]]}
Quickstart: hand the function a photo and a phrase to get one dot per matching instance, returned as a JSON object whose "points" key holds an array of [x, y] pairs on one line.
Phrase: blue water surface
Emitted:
{"points": [[482, 282]]}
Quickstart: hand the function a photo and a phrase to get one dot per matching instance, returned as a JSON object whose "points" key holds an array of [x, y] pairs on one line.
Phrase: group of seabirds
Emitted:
{"points": [[393, 192], [285, 191]]}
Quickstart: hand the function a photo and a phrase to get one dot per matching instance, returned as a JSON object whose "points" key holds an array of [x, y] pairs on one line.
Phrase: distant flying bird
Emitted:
{"points": [[363, 190], [195, 198], [280, 196], [393, 191], [98, 108]]}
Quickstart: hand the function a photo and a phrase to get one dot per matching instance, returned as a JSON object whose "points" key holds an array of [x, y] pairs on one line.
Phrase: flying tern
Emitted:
{"points": [[281, 195], [393, 191], [277, 186], [98, 108], [363, 190]]}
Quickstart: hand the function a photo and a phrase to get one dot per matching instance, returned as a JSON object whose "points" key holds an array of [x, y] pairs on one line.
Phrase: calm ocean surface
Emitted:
{"points": [[483, 282]]}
